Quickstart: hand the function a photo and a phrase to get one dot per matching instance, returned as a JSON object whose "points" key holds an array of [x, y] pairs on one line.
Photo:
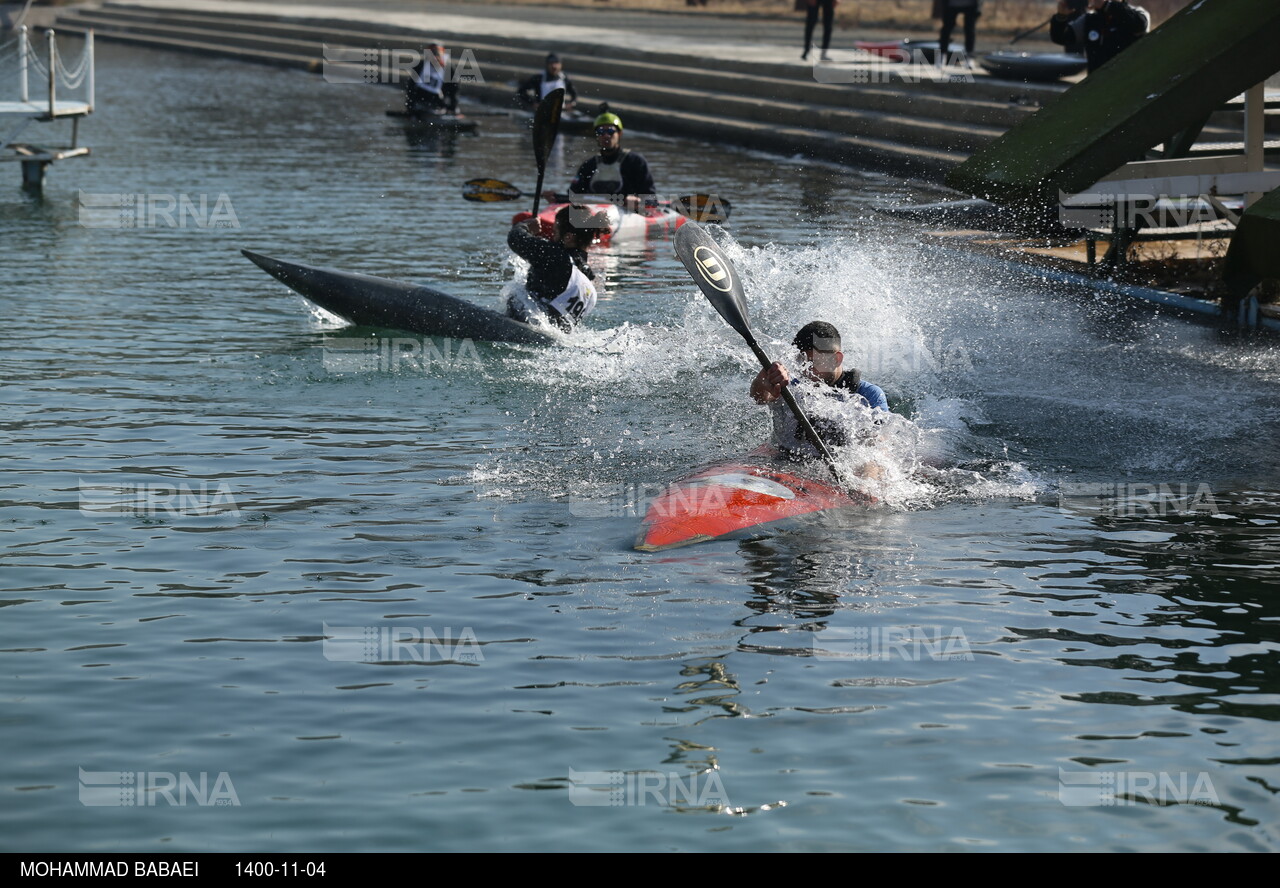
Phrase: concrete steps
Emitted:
{"points": [[922, 128]]}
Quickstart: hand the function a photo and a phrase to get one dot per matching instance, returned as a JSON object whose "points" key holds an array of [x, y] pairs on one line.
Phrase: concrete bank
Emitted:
{"points": [[858, 109]]}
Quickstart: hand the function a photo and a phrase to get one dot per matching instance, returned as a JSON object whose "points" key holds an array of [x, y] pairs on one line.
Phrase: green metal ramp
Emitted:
{"points": [[1253, 252], [1170, 80]]}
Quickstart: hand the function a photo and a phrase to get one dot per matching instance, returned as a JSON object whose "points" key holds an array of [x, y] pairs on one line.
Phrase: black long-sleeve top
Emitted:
{"points": [[550, 264]]}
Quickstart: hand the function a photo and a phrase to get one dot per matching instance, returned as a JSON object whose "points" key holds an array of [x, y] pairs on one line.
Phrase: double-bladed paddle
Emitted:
{"points": [[698, 207], [715, 275], [546, 121]]}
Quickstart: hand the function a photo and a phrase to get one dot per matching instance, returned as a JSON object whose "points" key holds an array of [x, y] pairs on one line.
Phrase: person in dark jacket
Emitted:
{"points": [[534, 89], [560, 286], [949, 11], [615, 171], [1103, 31]]}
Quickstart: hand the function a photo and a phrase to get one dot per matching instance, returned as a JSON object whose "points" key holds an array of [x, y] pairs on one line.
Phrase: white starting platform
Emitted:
{"points": [[16, 115], [42, 111]]}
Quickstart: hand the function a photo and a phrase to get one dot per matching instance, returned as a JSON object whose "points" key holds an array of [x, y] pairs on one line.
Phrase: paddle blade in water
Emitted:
{"points": [[715, 275], [703, 207], [490, 191], [719, 282]]}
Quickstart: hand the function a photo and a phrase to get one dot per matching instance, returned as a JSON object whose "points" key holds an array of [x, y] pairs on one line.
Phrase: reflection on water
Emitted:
{"points": [[940, 673]]}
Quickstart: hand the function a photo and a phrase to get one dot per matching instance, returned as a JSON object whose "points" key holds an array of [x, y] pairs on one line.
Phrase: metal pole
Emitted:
{"points": [[1254, 133], [22, 62], [88, 48], [53, 76]]}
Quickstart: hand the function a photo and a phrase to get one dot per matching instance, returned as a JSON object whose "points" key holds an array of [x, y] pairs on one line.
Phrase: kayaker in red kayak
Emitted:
{"points": [[616, 171], [819, 345], [560, 285]]}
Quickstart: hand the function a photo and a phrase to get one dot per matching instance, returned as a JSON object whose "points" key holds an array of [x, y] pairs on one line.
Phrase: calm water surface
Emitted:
{"points": [[415, 620]]}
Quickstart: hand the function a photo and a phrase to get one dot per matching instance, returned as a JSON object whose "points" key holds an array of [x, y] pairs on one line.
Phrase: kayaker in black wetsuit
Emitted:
{"points": [[615, 171], [1103, 31], [825, 374], [428, 89], [534, 89], [560, 285]]}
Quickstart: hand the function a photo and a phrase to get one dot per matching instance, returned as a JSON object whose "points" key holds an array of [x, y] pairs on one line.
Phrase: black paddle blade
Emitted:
{"points": [[703, 207], [719, 282], [715, 275], [546, 123], [490, 191]]}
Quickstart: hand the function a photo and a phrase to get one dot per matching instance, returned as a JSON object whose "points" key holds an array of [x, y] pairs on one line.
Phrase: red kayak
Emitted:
{"points": [[654, 223], [755, 489]]}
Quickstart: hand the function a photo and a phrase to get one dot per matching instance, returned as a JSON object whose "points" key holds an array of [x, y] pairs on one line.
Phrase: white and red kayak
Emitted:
{"points": [[758, 488], [653, 223]]}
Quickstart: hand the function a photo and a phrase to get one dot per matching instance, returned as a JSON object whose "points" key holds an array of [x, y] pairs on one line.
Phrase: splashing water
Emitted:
{"points": [[646, 403]]}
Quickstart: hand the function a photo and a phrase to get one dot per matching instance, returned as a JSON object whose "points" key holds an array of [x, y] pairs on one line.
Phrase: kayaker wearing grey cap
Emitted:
{"points": [[819, 345]]}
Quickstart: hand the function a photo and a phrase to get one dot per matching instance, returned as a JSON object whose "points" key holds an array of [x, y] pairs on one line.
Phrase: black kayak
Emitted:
{"points": [[1011, 65], [379, 302]]}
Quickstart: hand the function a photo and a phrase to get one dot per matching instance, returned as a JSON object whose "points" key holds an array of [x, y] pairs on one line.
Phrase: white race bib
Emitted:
{"points": [[578, 299]]}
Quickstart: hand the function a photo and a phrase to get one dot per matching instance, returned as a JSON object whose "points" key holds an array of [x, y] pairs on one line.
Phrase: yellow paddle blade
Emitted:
{"points": [[490, 191], [703, 207]]}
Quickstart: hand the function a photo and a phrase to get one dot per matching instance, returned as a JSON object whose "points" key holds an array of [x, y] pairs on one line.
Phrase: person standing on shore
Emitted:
{"points": [[949, 11], [1104, 30], [812, 7]]}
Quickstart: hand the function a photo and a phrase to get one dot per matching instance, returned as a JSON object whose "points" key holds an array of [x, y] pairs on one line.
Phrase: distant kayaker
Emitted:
{"points": [[534, 89], [429, 89], [615, 171], [1103, 31], [560, 285], [819, 345]]}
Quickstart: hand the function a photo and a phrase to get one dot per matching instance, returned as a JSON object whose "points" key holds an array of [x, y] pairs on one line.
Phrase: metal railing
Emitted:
{"points": [[54, 68]]}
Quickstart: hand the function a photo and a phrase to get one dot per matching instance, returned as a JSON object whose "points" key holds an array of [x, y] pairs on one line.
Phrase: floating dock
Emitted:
{"points": [[18, 115]]}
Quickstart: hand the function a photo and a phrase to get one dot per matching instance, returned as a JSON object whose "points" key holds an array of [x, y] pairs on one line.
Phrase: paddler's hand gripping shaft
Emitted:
{"points": [[719, 282]]}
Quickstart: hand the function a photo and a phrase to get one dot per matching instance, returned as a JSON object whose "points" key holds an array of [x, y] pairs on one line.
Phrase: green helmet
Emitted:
{"points": [[608, 119]]}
